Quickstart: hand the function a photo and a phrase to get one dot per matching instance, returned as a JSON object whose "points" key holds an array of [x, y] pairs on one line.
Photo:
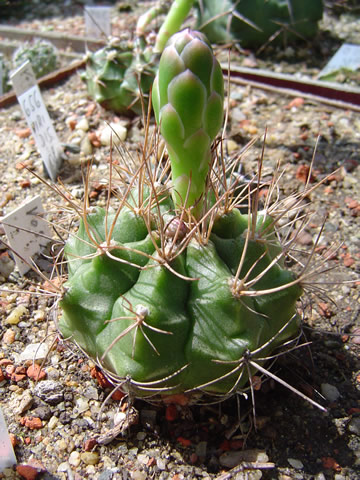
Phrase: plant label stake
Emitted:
{"points": [[37, 117], [7, 455], [27, 232], [97, 22]]}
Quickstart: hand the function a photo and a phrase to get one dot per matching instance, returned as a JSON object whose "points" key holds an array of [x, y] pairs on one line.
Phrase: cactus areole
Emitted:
{"points": [[170, 293]]}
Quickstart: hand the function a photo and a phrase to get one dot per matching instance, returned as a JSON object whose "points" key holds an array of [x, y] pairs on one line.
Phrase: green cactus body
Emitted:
{"points": [[164, 331], [253, 22], [42, 55], [164, 302]]}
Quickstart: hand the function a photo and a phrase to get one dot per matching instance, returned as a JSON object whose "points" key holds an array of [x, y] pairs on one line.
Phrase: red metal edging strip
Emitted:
{"points": [[335, 94]]}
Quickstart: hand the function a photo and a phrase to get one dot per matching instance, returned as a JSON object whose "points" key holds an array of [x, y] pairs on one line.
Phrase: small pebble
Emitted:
{"points": [[8, 337], [295, 463], [115, 131], [7, 265], [330, 392], [83, 125], [143, 458], [161, 463], [49, 391], [52, 423], [86, 147], [74, 459], [354, 426], [15, 316], [26, 401], [91, 393], [90, 458], [35, 372], [34, 351], [82, 405], [232, 146], [61, 444], [138, 475], [233, 458], [63, 467]]}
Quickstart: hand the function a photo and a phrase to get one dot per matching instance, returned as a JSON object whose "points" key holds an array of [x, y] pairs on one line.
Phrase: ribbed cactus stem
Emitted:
{"points": [[188, 95]]}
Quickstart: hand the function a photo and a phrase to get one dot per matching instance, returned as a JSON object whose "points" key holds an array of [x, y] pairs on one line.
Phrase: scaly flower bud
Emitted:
{"points": [[188, 95]]}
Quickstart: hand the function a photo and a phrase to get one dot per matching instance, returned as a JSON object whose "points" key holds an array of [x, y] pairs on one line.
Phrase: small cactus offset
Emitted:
{"points": [[174, 290], [42, 55]]}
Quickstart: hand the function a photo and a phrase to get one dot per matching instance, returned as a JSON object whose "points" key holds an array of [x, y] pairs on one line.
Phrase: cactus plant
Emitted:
{"points": [[116, 74], [175, 290], [41, 54], [119, 76], [253, 22], [4, 75]]}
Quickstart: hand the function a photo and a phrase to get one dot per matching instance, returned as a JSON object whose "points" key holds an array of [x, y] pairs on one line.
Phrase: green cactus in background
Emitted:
{"points": [[253, 22], [116, 74], [167, 297], [4, 77], [41, 54], [119, 76]]}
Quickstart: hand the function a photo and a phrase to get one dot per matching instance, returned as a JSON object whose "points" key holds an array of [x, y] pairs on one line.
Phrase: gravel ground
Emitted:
{"points": [[52, 421]]}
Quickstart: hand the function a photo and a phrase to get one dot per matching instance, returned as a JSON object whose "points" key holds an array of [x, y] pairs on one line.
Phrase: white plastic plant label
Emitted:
{"points": [[347, 58], [97, 22], [37, 117], [27, 232], [7, 455]]}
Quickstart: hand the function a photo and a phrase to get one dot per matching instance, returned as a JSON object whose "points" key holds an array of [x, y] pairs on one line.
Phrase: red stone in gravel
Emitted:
{"points": [[353, 410], [18, 374], [17, 377], [186, 442], [13, 439], [31, 470], [296, 102], [177, 399], [303, 172], [25, 183], [34, 423], [331, 463], [35, 372], [9, 370], [94, 139], [100, 377], [4, 362], [27, 471], [348, 260], [117, 395], [90, 110], [171, 413], [23, 132], [89, 444], [2, 376]]}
